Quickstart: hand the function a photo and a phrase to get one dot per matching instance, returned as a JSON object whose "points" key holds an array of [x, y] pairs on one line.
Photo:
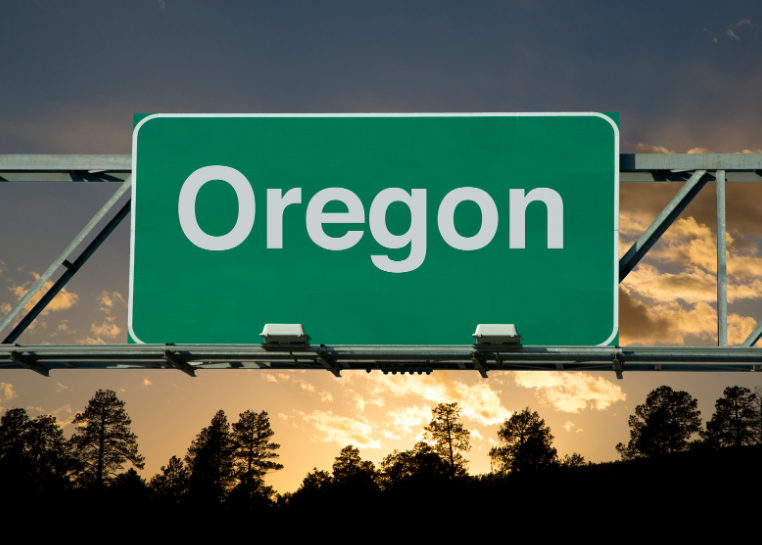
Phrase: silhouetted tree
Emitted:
{"points": [[349, 467], [103, 441], [663, 424], [422, 462], [574, 459], [757, 408], [129, 489], [527, 444], [449, 436], [253, 451], [316, 482], [173, 482], [210, 459], [734, 420], [49, 453], [14, 462]]}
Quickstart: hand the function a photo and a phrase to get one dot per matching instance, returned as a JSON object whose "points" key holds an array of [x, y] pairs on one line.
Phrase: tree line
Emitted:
{"points": [[226, 464]]}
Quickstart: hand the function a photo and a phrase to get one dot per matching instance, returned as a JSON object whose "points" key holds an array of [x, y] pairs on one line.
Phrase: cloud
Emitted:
{"points": [[745, 22], [342, 429], [7, 391], [61, 387], [107, 299], [90, 340], [672, 323], [325, 396], [571, 392], [406, 418], [647, 148], [569, 425], [699, 150], [106, 329], [64, 415], [733, 35], [64, 300], [146, 382], [479, 402], [63, 325], [658, 306]]}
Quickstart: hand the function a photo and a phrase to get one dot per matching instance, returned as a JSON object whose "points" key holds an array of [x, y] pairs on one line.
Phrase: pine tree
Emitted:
{"points": [[734, 420], [211, 462], [103, 441], [421, 462], [449, 436], [14, 461], [663, 424], [173, 481], [528, 444], [349, 467], [253, 451], [49, 453]]}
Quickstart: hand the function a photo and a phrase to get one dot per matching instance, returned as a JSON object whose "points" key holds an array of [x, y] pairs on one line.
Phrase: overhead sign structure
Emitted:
{"points": [[375, 229]]}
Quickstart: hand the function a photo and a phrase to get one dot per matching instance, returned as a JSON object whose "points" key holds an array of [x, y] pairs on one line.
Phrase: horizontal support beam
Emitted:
{"points": [[634, 167], [386, 358], [65, 162], [689, 161]]}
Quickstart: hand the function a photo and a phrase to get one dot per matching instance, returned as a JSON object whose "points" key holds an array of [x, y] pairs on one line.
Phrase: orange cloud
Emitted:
{"points": [[106, 329], [343, 430], [571, 392], [479, 402], [64, 300]]}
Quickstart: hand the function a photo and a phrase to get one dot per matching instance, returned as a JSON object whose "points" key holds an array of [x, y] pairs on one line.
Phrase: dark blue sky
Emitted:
{"points": [[72, 69]]}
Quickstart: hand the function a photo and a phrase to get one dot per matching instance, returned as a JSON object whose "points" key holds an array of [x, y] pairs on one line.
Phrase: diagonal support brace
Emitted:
{"points": [[63, 259], [30, 363], [71, 270], [325, 359], [667, 217], [478, 360], [179, 363], [754, 336]]}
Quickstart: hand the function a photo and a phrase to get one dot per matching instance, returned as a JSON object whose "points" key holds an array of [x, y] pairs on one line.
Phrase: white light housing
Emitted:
{"points": [[284, 334], [497, 334]]}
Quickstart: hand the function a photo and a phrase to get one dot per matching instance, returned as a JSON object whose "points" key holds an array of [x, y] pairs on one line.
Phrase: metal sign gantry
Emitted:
{"points": [[693, 170]]}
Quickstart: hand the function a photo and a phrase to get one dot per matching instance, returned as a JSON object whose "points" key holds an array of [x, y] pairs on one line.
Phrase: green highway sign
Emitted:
{"points": [[375, 228]]}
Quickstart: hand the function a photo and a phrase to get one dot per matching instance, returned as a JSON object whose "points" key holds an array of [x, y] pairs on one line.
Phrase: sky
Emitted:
{"points": [[685, 77]]}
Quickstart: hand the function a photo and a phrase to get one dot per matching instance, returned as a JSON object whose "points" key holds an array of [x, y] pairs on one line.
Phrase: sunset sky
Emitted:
{"points": [[685, 77]]}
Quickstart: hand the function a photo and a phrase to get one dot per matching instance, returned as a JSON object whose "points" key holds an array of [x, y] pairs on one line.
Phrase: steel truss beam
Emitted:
{"points": [[394, 359]]}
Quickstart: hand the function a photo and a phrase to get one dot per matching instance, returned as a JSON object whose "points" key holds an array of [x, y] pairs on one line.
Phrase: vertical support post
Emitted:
{"points": [[722, 269]]}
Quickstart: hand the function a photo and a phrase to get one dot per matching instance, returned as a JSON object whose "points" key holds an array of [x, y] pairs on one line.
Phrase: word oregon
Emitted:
{"points": [[415, 200]]}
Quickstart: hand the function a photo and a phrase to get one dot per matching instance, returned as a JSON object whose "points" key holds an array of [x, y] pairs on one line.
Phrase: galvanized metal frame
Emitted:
{"points": [[693, 169]]}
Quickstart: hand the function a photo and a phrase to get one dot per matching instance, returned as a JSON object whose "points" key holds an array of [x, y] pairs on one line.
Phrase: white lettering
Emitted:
{"points": [[517, 222], [316, 218], [275, 207], [446, 218], [415, 236], [186, 208]]}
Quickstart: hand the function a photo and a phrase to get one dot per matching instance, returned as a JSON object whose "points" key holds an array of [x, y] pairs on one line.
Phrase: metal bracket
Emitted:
{"points": [[478, 360], [179, 363], [618, 363], [325, 359], [30, 363]]}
